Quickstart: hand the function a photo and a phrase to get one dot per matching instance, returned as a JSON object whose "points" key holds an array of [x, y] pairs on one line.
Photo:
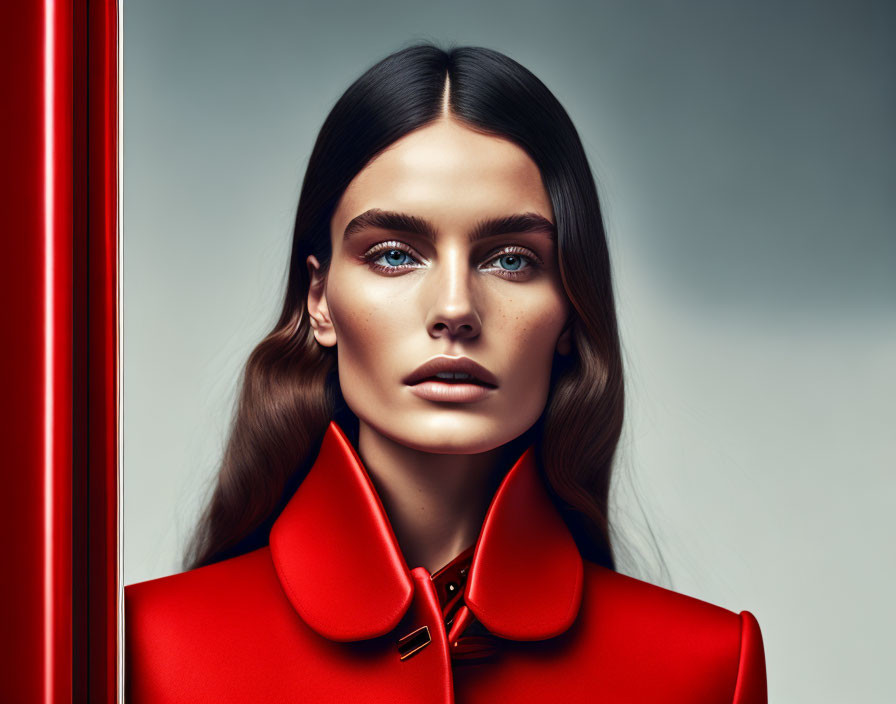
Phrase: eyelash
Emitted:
{"points": [[378, 250]]}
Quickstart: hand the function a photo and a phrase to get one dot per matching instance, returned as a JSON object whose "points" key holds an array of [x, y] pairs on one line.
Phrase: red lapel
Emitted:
{"points": [[343, 571]]}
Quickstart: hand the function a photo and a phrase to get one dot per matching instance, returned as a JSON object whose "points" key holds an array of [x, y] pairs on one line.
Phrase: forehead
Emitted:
{"points": [[450, 174]]}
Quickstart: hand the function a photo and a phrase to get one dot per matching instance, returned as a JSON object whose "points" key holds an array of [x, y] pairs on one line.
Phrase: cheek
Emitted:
{"points": [[530, 331], [366, 328]]}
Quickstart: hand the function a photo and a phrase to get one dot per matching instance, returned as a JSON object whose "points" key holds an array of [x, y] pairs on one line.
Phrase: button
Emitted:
{"points": [[414, 642]]}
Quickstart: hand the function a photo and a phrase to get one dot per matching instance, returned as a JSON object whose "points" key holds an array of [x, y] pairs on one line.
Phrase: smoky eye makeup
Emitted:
{"points": [[510, 261], [513, 262], [391, 256]]}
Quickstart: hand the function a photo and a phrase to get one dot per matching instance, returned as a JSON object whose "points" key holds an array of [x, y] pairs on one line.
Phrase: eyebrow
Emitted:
{"points": [[518, 223]]}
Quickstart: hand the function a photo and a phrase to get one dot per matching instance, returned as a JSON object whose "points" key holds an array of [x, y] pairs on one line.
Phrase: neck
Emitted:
{"points": [[435, 503]]}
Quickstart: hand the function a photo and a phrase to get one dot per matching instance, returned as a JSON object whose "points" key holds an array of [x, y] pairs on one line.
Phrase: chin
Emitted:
{"points": [[447, 432], [442, 432]]}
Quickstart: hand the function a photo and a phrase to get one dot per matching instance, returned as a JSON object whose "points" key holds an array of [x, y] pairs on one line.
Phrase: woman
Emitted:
{"points": [[412, 505]]}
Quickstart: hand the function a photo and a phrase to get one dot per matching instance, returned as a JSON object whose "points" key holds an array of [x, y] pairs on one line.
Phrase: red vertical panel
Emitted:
{"points": [[81, 508], [95, 353], [22, 350], [57, 337], [58, 512], [103, 334], [37, 345], [95, 661]]}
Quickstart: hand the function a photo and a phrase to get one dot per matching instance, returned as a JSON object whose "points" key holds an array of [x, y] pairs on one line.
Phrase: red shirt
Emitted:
{"points": [[330, 612]]}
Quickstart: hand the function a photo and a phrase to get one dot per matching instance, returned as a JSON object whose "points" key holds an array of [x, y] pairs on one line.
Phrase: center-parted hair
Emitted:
{"points": [[290, 386]]}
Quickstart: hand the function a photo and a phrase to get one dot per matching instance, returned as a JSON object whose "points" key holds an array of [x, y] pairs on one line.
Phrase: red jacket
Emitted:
{"points": [[330, 612]]}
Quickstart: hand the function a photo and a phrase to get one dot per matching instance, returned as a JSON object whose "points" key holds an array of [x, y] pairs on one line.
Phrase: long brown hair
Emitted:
{"points": [[290, 386]]}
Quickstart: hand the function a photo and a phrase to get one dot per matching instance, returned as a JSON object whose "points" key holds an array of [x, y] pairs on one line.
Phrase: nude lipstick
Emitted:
{"points": [[451, 379]]}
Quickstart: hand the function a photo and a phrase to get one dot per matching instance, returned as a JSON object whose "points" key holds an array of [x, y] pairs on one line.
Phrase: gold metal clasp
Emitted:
{"points": [[414, 642]]}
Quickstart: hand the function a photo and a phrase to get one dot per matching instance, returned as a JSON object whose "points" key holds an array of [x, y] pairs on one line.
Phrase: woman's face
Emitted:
{"points": [[443, 247]]}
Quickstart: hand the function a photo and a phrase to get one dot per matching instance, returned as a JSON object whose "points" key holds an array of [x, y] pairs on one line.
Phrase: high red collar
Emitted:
{"points": [[341, 567]]}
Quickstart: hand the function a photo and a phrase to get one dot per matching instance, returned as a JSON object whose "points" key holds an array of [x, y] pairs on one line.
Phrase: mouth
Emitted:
{"points": [[452, 379], [452, 371], [455, 378]]}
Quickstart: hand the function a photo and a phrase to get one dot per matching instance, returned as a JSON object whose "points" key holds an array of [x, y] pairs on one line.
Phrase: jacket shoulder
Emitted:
{"points": [[181, 627], [211, 585], [634, 598], [681, 639]]}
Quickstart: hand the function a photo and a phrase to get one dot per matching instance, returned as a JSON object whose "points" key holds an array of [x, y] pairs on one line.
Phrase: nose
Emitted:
{"points": [[454, 311]]}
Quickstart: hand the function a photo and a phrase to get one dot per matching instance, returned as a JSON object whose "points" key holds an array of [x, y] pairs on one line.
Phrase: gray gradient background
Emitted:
{"points": [[746, 157]]}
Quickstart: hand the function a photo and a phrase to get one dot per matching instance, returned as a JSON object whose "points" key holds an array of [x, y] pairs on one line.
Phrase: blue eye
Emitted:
{"points": [[511, 262], [391, 258], [395, 257]]}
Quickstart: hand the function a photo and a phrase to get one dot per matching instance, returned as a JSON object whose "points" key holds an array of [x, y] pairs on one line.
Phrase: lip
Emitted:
{"points": [[453, 392], [442, 363]]}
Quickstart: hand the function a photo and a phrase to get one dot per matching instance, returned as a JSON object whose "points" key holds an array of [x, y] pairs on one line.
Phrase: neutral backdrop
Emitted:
{"points": [[746, 158]]}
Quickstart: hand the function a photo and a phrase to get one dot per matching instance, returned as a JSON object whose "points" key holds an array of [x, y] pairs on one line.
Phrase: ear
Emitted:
{"points": [[318, 311], [564, 342]]}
